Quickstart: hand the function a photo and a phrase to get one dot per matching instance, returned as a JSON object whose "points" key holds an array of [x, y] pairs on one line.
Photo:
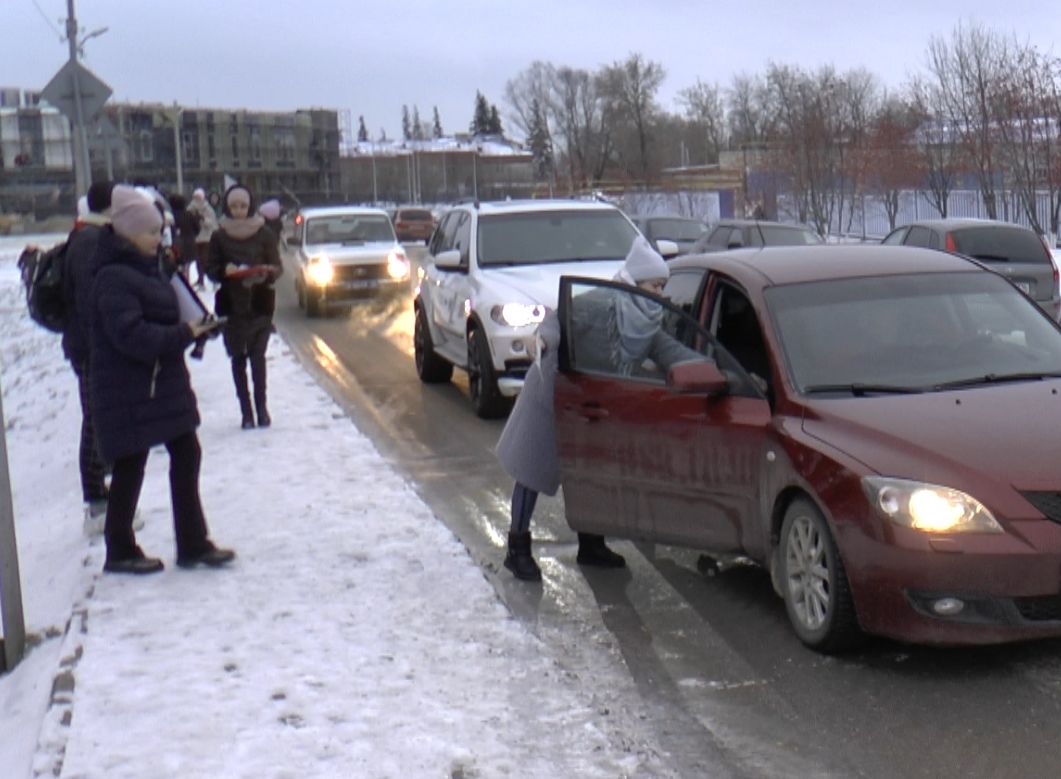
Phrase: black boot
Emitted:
{"points": [[519, 559], [593, 551], [258, 377], [264, 420], [239, 378]]}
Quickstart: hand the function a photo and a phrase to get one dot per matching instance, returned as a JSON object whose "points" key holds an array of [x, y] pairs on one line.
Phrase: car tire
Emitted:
{"points": [[814, 583], [314, 306], [486, 399], [431, 368]]}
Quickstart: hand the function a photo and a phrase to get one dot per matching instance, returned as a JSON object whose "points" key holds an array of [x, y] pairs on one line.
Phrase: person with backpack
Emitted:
{"points": [[77, 276], [141, 391]]}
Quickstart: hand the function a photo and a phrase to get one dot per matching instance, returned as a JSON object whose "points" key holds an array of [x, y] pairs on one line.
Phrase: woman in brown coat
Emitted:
{"points": [[243, 258]]}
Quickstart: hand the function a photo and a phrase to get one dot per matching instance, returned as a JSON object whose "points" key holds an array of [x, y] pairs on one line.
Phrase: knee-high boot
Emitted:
{"points": [[258, 375], [239, 377]]}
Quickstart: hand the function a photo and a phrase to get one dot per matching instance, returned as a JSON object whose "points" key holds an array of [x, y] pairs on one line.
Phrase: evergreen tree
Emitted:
{"points": [[540, 142], [362, 131], [436, 131], [481, 120], [406, 129], [494, 123], [418, 130]]}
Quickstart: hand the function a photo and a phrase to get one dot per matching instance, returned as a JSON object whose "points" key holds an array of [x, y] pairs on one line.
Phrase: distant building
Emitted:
{"points": [[438, 170], [292, 155]]}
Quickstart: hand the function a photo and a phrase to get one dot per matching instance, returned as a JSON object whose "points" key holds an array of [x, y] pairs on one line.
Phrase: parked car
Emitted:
{"points": [[344, 253], [1015, 251], [681, 230], [874, 425], [491, 271], [744, 233], [413, 224]]}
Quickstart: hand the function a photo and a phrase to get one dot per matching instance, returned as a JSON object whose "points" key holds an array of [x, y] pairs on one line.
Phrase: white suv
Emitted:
{"points": [[491, 272]]}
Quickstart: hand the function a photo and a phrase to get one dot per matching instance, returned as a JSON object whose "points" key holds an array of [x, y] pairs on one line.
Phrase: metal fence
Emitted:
{"points": [[868, 218]]}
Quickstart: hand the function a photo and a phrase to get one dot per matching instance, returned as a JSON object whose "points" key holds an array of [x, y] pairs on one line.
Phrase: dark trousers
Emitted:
{"points": [[93, 469], [255, 354], [523, 502], [201, 248], [189, 524]]}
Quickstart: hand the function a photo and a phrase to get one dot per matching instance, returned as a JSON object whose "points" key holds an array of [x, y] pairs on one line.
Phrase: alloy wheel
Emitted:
{"points": [[809, 579]]}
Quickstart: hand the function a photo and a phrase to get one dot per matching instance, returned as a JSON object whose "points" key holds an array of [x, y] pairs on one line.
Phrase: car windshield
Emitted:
{"points": [[1000, 243], [553, 236], [911, 333], [350, 229], [788, 236], [677, 229]]}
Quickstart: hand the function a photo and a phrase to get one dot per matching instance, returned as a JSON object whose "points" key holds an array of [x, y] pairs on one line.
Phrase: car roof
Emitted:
{"points": [[763, 222], [777, 265], [668, 217], [314, 211], [523, 206], [953, 223]]}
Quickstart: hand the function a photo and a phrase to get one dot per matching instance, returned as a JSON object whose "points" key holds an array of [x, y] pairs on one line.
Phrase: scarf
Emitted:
{"points": [[242, 229], [632, 326]]}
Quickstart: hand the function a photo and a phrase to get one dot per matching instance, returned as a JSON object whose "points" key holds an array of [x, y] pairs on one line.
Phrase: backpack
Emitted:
{"points": [[42, 276]]}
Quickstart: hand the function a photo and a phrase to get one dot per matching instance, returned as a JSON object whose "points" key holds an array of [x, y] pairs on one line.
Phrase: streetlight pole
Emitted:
{"points": [[82, 171], [177, 111]]}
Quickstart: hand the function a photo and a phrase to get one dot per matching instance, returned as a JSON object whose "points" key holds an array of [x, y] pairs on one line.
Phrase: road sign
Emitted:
{"points": [[60, 91]]}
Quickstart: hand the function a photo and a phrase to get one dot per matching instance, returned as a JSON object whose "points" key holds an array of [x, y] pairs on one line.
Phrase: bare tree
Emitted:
{"points": [[938, 145], [966, 71], [629, 89], [893, 162], [531, 86], [750, 116], [707, 117]]}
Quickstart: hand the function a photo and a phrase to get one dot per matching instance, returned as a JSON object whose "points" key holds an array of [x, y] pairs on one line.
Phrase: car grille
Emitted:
{"points": [[1049, 503], [352, 272], [1041, 608]]}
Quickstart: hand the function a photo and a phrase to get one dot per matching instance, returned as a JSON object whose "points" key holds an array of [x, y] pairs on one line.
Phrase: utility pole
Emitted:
{"points": [[177, 111], [82, 171], [13, 644]]}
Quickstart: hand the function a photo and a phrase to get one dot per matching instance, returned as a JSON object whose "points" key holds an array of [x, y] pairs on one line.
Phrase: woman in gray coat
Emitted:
{"points": [[527, 447]]}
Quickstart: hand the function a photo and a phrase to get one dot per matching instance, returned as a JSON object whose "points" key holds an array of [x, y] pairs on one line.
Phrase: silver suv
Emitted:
{"points": [[491, 271]]}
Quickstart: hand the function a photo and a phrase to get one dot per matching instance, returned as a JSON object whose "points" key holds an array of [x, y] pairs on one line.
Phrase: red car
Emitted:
{"points": [[879, 427], [414, 224]]}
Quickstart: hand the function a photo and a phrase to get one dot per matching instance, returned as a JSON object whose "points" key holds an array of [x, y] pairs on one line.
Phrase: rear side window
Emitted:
{"points": [[789, 236], [1010, 244]]}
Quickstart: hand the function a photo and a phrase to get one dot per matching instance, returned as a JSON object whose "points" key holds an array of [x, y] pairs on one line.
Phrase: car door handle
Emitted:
{"points": [[591, 412]]}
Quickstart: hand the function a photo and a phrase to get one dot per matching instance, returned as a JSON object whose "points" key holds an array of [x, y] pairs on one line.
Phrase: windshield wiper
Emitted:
{"points": [[860, 390], [996, 378]]}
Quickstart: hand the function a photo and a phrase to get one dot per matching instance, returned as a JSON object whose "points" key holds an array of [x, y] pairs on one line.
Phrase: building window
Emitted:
{"points": [[147, 148]]}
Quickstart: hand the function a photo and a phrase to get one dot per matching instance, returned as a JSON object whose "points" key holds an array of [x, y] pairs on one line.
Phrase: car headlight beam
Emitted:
{"points": [[929, 508], [320, 271], [518, 314], [397, 266]]}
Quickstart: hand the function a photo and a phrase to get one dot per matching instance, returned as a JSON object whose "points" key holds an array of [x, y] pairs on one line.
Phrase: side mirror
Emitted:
{"points": [[697, 377], [450, 259], [667, 249]]}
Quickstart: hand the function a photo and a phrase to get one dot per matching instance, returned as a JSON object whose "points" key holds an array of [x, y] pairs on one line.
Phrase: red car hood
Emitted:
{"points": [[1004, 434]]}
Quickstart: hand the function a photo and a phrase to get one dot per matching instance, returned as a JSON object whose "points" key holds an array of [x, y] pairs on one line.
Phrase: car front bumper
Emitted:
{"points": [[1009, 585]]}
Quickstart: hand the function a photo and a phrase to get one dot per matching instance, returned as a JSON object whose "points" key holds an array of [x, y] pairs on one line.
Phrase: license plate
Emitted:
{"points": [[1024, 286], [361, 284]]}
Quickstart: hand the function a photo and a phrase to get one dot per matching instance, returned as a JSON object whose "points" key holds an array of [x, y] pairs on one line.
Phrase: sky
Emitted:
{"points": [[352, 636], [371, 58]]}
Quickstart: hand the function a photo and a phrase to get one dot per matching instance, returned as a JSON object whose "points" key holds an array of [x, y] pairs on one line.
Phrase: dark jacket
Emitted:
{"points": [[259, 249], [188, 224], [78, 273], [141, 392]]}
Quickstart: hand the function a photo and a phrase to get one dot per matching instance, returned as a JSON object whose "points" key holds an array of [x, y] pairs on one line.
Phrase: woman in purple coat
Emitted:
{"points": [[141, 391]]}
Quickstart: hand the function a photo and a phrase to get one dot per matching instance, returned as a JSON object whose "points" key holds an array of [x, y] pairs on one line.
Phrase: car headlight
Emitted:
{"points": [[517, 314], [397, 266], [320, 270], [928, 507]]}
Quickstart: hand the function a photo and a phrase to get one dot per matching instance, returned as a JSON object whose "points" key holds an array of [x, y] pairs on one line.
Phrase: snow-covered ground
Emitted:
{"points": [[353, 636]]}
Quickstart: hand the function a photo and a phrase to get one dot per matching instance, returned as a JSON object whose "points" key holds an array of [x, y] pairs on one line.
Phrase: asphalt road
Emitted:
{"points": [[703, 669]]}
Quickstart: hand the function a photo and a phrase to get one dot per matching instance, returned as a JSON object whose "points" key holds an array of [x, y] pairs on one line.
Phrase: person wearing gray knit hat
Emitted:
{"points": [[133, 214]]}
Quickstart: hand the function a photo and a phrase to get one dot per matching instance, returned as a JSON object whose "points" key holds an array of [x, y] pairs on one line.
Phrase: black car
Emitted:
{"points": [[682, 230], [741, 233], [1012, 250]]}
